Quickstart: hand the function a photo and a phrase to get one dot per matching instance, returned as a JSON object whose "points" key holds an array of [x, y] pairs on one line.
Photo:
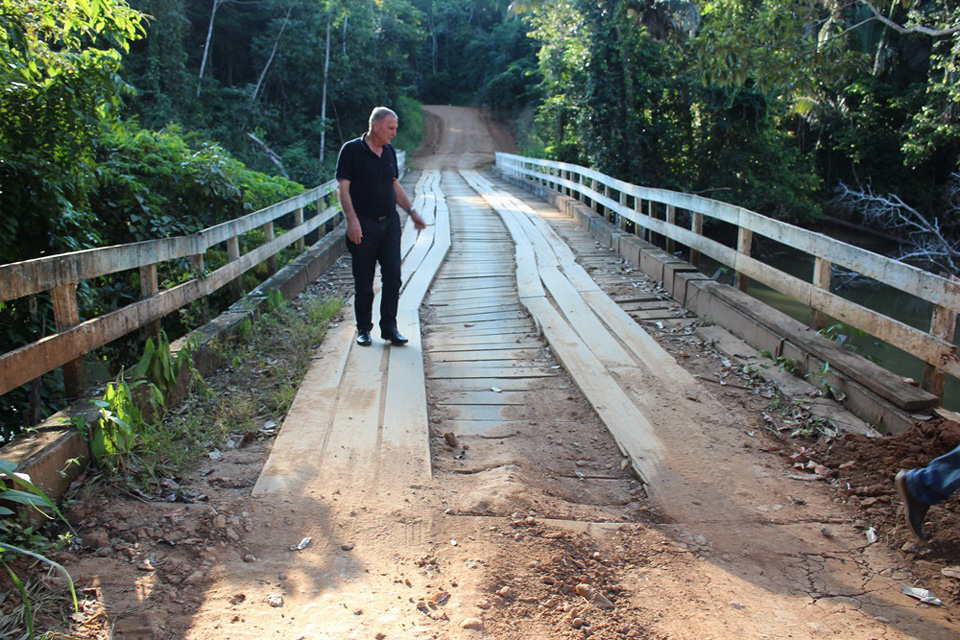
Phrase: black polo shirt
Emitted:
{"points": [[371, 177]]}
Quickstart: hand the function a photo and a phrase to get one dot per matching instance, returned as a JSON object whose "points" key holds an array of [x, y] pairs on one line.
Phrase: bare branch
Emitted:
{"points": [[926, 241], [935, 33], [274, 158]]}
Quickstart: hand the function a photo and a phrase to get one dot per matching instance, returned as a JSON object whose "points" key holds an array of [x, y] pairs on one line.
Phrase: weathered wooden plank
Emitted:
{"points": [[486, 428], [480, 316], [582, 320], [500, 398], [629, 427], [479, 305], [486, 355], [26, 363], [494, 370], [479, 412], [296, 452], [41, 274], [905, 277], [882, 382]]}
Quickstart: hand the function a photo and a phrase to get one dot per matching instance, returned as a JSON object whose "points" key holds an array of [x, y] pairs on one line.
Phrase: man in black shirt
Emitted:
{"points": [[369, 189]]}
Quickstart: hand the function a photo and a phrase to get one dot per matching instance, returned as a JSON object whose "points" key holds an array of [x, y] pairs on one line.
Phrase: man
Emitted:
{"points": [[370, 190], [930, 485]]}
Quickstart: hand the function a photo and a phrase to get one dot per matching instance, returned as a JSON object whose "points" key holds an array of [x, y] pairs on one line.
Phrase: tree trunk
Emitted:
{"points": [[323, 104], [206, 46], [273, 53]]}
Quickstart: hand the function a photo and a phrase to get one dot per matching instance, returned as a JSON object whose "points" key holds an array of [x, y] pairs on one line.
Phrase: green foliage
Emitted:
{"points": [[622, 98], [160, 368], [410, 129], [17, 535], [120, 429]]}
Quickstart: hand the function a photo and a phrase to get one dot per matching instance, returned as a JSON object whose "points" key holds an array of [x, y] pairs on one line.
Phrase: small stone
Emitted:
{"points": [[275, 600], [347, 546], [576, 623], [472, 623], [909, 547], [483, 604], [249, 558], [358, 612], [194, 578], [451, 439], [96, 540], [234, 537], [507, 593], [826, 532], [380, 636]]}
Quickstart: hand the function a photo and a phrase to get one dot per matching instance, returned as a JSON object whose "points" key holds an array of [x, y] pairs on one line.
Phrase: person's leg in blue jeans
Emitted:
{"points": [[933, 484]]}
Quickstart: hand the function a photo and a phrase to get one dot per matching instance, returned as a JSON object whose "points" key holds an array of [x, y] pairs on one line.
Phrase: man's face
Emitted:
{"points": [[385, 130]]}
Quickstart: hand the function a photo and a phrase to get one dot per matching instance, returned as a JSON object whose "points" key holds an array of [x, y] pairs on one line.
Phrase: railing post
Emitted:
{"points": [[671, 219], [149, 287], [233, 254], [821, 279], [66, 315], [268, 237], [744, 245], [623, 205], [942, 325], [696, 225], [648, 235], [297, 221], [638, 229]]}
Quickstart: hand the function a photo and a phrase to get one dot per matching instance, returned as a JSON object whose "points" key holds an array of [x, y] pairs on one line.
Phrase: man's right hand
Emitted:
{"points": [[354, 231]]}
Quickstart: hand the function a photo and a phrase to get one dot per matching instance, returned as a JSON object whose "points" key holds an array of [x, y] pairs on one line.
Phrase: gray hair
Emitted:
{"points": [[379, 113]]}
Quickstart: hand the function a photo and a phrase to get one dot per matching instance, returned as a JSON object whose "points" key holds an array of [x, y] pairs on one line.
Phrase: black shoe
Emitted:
{"points": [[914, 510], [394, 337], [364, 339]]}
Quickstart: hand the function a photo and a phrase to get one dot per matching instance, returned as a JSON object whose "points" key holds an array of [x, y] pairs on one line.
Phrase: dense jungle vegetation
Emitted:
{"points": [[127, 121]]}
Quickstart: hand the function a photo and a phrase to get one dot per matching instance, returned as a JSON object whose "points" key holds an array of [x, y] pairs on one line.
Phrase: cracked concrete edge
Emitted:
{"points": [[54, 454]]}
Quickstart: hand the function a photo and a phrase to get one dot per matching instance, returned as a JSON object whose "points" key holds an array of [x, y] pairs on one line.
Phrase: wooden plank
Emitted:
{"points": [[450, 341], [444, 309], [490, 412], [882, 382], [642, 344], [489, 327], [920, 283], [473, 370], [486, 428], [480, 316], [295, 454], [630, 428], [486, 355], [356, 424], [406, 433], [582, 320], [501, 398]]}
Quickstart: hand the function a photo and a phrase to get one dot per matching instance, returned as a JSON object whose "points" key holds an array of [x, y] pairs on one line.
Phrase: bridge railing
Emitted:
{"points": [[60, 275], [657, 211]]}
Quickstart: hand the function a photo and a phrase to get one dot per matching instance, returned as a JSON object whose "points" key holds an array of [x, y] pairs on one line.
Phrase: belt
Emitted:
{"points": [[375, 218]]}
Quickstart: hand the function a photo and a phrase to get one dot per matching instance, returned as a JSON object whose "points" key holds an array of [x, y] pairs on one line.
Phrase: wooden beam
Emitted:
{"points": [[67, 315]]}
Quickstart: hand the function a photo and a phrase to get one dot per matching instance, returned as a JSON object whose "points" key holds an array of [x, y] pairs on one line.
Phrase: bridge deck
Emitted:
{"points": [[509, 286]]}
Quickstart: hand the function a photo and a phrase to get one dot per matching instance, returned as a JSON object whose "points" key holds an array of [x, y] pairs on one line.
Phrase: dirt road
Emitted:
{"points": [[534, 530]]}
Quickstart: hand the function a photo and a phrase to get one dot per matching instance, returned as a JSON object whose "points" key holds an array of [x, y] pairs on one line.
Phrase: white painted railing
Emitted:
{"points": [[649, 210]]}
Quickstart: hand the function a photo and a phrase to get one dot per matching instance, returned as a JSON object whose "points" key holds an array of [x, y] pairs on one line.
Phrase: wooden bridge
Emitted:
{"points": [[519, 330]]}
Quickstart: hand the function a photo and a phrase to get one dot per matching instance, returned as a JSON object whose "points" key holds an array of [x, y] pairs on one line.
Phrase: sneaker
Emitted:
{"points": [[914, 510]]}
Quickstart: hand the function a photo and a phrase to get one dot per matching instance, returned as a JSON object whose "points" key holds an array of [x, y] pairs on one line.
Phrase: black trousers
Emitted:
{"points": [[380, 243]]}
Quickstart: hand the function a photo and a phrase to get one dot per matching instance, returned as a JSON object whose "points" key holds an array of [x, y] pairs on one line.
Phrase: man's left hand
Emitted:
{"points": [[418, 222]]}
